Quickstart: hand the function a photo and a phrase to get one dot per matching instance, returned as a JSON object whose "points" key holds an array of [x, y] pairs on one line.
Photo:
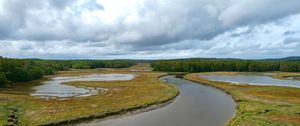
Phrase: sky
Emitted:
{"points": [[149, 29]]}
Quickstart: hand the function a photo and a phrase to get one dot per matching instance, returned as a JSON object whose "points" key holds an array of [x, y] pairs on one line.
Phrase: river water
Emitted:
{"points": [[196, 105]]}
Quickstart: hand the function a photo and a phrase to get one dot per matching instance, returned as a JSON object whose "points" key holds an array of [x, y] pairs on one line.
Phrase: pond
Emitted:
{"points": [[252, 80], [195, 105], [55, 88]]}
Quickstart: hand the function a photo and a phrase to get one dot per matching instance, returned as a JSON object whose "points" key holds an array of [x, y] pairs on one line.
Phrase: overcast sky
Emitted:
{"points": [[149, 29]]}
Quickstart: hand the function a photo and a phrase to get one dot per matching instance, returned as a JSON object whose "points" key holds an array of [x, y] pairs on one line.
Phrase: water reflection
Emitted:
{"points": [[56, 88]]}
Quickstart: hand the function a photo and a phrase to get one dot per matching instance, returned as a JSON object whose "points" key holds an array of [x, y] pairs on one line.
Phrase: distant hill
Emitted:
{"points": [[290, 58]]}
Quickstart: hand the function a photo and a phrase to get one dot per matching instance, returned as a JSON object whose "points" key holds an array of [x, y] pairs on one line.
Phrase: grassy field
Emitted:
{"points": [[142, 91], [260, 105]]}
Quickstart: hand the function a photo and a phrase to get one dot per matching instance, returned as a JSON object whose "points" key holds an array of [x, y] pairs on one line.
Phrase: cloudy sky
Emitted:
{"points": [[149, 29]]}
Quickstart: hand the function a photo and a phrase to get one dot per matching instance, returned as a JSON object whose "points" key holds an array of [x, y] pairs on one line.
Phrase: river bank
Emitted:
{"points": [[259, 105]]}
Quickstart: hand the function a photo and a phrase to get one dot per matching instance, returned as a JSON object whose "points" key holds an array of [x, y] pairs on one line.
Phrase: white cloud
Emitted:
{"points": [[149, 28]]}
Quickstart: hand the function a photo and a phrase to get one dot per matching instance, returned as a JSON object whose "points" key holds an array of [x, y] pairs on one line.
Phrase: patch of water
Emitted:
{"points": [[253, 80], [55, 88]]}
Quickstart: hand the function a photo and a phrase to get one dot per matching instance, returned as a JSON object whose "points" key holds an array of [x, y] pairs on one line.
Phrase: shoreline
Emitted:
{"points": [[120, 113], [224, 122], [133, 111]]}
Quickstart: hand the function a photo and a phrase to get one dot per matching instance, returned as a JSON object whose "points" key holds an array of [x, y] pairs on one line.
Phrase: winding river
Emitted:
{"points": [[196, 105]]}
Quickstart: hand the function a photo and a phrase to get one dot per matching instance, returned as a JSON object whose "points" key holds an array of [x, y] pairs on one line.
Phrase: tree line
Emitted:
{"points": [[210, 65], [23, 70]]}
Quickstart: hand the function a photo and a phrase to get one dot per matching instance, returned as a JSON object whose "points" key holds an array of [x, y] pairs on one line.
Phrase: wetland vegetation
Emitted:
{"points": [[142, 91], [257, 105]]}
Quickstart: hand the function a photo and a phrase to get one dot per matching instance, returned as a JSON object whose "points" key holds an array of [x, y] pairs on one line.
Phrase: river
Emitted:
{"points": [[196, 105]]}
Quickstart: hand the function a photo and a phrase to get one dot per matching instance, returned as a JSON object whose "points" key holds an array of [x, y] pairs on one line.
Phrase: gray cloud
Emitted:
{"points": [[148, 28], [60, 4], [256, 11], [291, 32]]}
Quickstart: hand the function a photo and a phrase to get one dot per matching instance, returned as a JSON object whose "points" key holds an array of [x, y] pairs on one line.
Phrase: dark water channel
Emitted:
{"points": [[196, 105]]}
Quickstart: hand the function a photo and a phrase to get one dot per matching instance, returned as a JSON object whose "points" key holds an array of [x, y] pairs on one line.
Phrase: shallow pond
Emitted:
{"points": [[56, 88], [253, 80], [196, 105]]}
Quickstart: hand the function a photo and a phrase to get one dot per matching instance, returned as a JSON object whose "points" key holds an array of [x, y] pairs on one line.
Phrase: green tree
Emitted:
{"points": [[19, 75], [36, 72], [3, 80]]}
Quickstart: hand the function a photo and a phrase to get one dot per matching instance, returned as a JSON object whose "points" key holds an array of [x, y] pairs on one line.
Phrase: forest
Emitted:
{"points": [[210, 65], [23, 70]]}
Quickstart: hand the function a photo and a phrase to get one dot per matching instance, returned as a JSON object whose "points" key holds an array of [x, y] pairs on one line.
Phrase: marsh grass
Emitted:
{"points": [[142, 91], [259, 105], [285, 75]]}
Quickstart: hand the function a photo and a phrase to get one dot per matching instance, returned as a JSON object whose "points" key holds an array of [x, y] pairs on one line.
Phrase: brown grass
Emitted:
{"points": [[142, 91], [284, 75]]}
